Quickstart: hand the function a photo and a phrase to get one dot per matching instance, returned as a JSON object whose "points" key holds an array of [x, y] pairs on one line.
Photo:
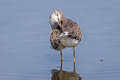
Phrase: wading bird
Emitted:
{"points": [[65, 32]]}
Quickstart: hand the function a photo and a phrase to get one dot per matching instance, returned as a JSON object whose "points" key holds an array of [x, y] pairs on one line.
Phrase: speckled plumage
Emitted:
{"points": [[55, 39], [61, 25], [72, 28]]}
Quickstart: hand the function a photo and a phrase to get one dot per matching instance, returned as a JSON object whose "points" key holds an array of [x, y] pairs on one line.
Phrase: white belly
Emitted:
{"points": [[67, 42]]}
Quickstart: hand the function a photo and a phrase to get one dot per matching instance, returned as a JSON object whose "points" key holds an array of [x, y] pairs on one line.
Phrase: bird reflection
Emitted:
{"points": [[65, 75]]}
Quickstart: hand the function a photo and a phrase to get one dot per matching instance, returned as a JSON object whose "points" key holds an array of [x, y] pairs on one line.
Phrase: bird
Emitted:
{"points": [[65, 32]]}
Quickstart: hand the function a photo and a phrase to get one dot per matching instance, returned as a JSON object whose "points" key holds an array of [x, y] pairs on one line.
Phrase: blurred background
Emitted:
{"points": [[25, 52]]}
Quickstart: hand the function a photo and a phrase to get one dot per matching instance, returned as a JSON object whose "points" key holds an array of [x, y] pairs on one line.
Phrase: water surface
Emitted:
{"points": [[25, 52]]}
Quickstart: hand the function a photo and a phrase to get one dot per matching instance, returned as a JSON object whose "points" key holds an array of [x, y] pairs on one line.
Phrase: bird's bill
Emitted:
{"points": [[59, 22]]}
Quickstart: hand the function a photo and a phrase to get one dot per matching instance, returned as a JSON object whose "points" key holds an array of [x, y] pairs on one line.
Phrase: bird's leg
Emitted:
{"points": [[74, 68], [61, 55], [73, 54], [61, 65]]}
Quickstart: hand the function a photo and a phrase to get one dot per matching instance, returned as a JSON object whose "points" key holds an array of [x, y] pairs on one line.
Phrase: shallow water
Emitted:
{"points": [[25, 52]]}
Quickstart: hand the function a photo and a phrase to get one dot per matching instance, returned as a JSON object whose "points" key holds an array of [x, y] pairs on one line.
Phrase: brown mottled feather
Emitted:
{"points": [[55, 40], [72, 28]]}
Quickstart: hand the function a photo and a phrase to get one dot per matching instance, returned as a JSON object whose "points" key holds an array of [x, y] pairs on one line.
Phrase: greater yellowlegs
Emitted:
{"points": [[65, 32]]}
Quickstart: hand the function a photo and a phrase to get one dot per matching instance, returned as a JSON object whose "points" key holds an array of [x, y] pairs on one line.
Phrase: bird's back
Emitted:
{"points": [[72, 28]]}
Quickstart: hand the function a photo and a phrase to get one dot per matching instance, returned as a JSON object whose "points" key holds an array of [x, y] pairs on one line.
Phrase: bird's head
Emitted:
{"points": [[55, 18]]}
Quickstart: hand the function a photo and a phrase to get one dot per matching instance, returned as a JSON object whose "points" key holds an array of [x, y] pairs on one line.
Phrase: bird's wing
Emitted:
{"points": [[55, 39], [72, 28]]}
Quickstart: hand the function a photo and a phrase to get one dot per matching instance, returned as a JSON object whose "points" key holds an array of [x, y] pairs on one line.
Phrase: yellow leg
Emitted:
{"points": [[74, 54]]}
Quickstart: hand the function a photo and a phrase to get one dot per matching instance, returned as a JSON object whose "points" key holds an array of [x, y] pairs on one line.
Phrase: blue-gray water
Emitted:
{"points": [[25, 52]]}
